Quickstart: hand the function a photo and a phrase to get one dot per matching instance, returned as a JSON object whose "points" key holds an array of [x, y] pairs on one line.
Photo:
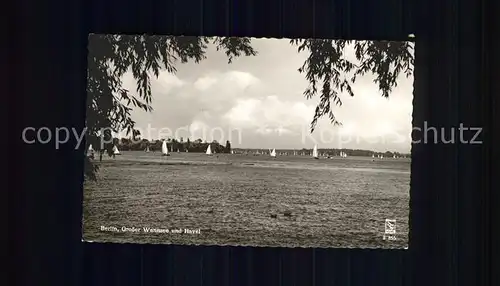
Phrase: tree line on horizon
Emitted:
{"points": [[196, 146], [200, 146]]}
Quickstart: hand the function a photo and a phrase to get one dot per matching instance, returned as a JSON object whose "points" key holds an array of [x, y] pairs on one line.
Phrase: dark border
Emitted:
{"points": [[491, 86], [449, 243]]}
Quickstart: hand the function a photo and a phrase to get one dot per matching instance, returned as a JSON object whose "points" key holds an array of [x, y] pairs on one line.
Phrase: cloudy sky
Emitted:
{"points": [[258, 102]]}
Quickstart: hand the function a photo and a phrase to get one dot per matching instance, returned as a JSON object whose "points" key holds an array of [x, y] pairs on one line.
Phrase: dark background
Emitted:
{"points": [[451, 198]]}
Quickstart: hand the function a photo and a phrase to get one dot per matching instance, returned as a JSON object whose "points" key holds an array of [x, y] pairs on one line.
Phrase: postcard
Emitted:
{"points": [[248, 141]]}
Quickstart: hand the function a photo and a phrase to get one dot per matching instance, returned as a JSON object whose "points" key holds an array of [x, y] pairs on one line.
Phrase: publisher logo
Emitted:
{"points": [[390, 226], [390, 229]]}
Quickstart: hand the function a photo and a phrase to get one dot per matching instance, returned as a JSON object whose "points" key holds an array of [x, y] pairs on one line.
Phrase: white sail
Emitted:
{"points": [[147, 149], [164, 149], [115, 150], [373, 155], [273, 153], [209, 151], [232, 152], [90, 148], [315, 151]]}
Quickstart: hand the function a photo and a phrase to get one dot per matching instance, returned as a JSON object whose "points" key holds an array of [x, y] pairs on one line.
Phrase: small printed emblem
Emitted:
{"points": [[390, 226]]}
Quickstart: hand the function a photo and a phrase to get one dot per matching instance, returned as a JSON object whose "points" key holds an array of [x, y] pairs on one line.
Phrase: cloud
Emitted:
{"points": [[244, 112], [204, 83], [220, 81], [241, 79], [269, 113], [164, 83]]}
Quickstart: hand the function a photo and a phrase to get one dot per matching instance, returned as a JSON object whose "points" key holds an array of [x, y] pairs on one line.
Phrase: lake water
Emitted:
{"points": [[289, 201]]}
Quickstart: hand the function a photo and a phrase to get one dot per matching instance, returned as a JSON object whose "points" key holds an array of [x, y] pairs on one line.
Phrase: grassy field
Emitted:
{"points": [[248, 200]]}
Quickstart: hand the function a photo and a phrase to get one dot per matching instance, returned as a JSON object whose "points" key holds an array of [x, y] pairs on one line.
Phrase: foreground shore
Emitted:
{"points": [[226, 202]]}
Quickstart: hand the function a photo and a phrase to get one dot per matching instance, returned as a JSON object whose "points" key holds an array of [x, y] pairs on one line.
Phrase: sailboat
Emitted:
{"points": [[209, 150], [164, 149], [373, 155], [232, 152], [147, 149], [116, 151], [90, 151], [315, 152], [273, 153]]}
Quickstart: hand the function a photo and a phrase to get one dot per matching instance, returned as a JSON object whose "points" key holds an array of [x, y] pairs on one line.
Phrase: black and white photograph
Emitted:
{"points": [[248, 141]]}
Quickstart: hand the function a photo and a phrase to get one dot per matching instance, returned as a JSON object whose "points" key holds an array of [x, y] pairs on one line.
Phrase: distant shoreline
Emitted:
{"points": [[350, 152]]}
